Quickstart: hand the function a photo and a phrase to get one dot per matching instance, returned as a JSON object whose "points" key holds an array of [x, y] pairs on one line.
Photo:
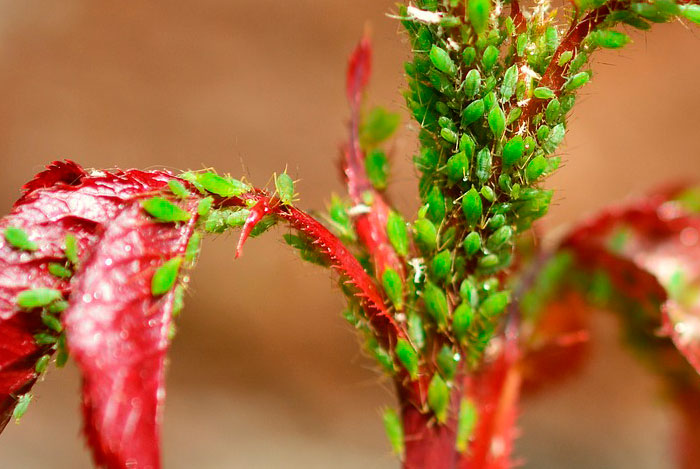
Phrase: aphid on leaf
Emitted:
{"points": [[457, 167], [466, 421], [499, 238], [57, 307], [490, 57], [193, 246], [37, 297], [204, 206], [577, 81], [462, 320], [415, 330], [535, 168], [71, 249], [471, 243], [59, 270], [510, 78], [393, 286], [495, 304], [436, 304], [441, 265], [285, 188], [473, 112], [565, 57], [442, 61], [449, 135], [472, 83], [478, 12], [447, 361], [21, 406], [408, 357], [51, 322], [19, 239], [497, 121], [483, 165], [222, 186], [467, 145], [165, 277], [425, 234], [377, 167], [394, 430], [543, 92], [178, 189], [397, 233], [438, 398], [43, 338], [472, 207], [488, 193], [42, 363], [163, 210], [513, 150], [61, 351]]}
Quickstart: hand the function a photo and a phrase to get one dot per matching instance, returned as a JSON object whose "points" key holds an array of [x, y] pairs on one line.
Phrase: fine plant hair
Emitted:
{"points": [[460, 304]]}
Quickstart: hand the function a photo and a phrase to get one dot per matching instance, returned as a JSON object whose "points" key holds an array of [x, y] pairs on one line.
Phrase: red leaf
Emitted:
{"points": [[359, 71], [117, 332]]}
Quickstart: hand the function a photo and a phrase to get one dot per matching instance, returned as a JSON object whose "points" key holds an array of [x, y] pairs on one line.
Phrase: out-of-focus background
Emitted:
{"points": [[264, 373]]}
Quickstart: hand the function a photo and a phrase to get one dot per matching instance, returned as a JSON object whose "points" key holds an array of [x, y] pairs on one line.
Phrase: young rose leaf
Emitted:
{"points": [[123, 372]]}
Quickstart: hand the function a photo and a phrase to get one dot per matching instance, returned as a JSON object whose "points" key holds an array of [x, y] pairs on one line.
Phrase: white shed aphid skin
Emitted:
{"points": [[530, 72], [419, 267], [430, 17], [359, 209]]}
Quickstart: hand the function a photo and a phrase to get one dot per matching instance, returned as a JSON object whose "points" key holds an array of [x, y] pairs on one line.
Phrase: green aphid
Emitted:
{"points": [[165, 277], [553, 111], [378, 126], [397, 233], [222, 186], [473, 112], [438, 398], [495, 304], [436, 304], [530, 145], [165, 211], [237, 218], [513, 150], [497, 121], [472, 243], [71, 249], [577, 81], [436, 205], [59, 270], [37, 297], [690, 12], [393, 286], [505, 182], [21, 406], [377, 166], [515, 191], [483, 165], [478, 12], [543, 92], [579, 60], [52, 322], [488, 193], [204, 206], [42, 363], [472, 207], [472, 83], [428, 158], [284, 185], [565, 57], [263, 225], [449, 135], [62, 353], [536, 168], [442, 61], [467, 145], [445, 121], [609, 39], [551, 40], [520, 44], [178, 301], [442, 83], [447, 238], [442, 109], [510, 79], [543, 132], [462, 320], [394, 431], [490, 57], [496, 221], [415, 330], [447, 362], [216, 222], [457, 167], [425, 234], [468, 56], [192, 250], [554, 138], [178, 189], [441, 265], [466, 422], [43, 338], [191, 177], [499, 238], [488, 262], [450, 21], [469, 292], [19, 239], [57, 307], [408, 357], [490, 100]]}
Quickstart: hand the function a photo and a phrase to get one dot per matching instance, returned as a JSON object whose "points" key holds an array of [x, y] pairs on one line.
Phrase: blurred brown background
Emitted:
{"points": [[264, 373]]}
